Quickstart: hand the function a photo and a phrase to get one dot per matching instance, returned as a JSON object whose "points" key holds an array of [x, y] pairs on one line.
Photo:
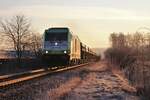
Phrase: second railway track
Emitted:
{"points": [[7, 80]]}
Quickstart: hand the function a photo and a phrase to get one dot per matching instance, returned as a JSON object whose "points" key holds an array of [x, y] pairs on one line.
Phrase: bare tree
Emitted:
{"points": [[16, 30], [113, 40], [34, 43], [121, 41]]}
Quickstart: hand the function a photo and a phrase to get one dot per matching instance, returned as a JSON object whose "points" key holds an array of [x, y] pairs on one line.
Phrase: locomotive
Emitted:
{"points": [[60, 46]]}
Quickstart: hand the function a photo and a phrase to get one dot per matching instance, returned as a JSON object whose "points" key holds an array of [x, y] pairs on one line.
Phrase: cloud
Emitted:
{"points": [[78, 3], [88, 22], [56, 12], [62, 12]]}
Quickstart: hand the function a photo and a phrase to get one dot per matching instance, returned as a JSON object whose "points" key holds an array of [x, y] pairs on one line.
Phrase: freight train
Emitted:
{"points": [[60, 46]]}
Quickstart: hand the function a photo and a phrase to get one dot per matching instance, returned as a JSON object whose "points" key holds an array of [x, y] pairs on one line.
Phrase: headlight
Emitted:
{"points": [[46, 52], [56, 43], [65, 52]]}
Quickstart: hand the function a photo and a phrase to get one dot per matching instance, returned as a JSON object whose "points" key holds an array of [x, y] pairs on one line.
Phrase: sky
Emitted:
{"points": [[91, 20]]}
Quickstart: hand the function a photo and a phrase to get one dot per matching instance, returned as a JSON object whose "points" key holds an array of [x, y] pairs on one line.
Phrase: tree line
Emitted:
{"points": [[18, 31], [129, 47]]}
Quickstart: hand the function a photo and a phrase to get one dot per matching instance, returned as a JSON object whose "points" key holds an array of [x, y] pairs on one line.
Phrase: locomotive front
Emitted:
{"points": [[56, 45]]}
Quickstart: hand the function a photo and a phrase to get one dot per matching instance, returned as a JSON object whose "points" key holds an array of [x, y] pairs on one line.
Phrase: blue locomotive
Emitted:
{"points": [[60, 46]]}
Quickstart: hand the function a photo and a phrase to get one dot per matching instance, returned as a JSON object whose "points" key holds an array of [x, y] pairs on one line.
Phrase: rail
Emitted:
{"points": [[29, 75]]}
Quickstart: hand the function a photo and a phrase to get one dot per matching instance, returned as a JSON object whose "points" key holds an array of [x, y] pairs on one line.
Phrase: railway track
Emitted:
{"points": [[7, 80]]}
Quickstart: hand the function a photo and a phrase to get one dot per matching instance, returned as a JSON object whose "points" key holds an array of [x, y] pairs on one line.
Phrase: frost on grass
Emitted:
{"points": [[63, 89], [92, 82], [102, 85]]}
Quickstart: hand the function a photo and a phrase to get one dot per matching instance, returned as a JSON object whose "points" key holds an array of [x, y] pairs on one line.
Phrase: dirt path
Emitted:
{"points": [[102, 84]]}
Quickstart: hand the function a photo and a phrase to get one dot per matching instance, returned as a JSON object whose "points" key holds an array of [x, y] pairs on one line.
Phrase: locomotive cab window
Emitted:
{"points": [[49, 36]]}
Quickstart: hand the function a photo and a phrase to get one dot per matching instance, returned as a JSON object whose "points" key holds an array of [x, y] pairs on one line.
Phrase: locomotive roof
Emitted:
{"points": [[58, 28]]}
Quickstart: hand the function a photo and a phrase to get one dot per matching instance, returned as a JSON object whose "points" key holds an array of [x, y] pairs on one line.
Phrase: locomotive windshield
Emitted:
{"points": [[54, 36]]}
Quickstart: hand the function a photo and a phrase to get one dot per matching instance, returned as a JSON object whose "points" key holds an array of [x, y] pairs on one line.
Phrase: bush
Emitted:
{"points": [[120, 57]]}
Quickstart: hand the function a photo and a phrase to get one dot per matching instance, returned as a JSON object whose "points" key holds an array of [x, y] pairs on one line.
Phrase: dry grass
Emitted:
{"points": [[138, 75], [124, 81], [54, 94]]}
